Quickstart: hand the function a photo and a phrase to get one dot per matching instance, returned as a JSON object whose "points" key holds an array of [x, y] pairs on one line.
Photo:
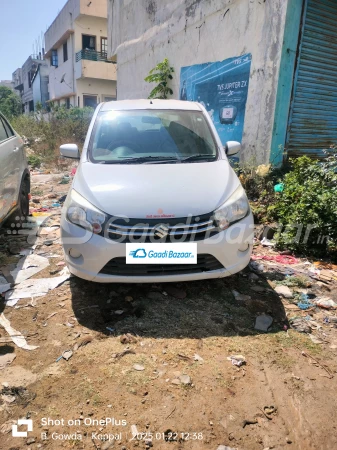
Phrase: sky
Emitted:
{"points": [[21, 24]]}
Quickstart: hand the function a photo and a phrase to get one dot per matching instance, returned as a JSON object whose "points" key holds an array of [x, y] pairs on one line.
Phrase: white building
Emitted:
{"points": [[264, 69], [76, 49]]}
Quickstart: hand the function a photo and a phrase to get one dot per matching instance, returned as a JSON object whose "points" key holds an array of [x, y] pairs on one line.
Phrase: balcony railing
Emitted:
{"points": [[93, 55]]}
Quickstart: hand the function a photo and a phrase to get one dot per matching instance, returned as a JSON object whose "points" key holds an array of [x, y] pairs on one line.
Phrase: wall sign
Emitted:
{"points": [[222, 87]]}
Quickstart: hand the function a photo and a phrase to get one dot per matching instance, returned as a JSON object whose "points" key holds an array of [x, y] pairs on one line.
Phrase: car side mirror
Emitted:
{"points": [[70, 151], [232, 148]]}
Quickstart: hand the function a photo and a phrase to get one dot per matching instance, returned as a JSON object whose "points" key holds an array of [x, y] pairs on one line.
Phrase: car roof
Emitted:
{"points": [[127, 105]]}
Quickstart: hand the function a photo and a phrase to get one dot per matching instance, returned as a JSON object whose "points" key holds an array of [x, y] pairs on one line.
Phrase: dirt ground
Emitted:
{"points": [[153, 359]]}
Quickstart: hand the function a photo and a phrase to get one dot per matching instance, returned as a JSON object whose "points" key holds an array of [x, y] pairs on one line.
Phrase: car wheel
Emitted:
{"points": [[23, 207], [18, 217]]}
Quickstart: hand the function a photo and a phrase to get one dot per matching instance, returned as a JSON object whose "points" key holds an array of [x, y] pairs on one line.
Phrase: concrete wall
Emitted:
{"points": [[94, 26], [101, 88], [143, 32]]}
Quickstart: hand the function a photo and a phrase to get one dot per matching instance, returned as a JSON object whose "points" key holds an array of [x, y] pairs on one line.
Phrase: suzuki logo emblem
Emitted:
{"points": [[161, 230]]}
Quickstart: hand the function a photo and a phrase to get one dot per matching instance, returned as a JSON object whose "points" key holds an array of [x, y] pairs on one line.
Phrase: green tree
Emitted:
{"points": [[160, 74], [10, 103]]}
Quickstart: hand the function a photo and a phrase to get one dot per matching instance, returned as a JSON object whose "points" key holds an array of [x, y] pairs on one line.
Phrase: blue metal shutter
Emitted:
{"points": [[313, 116]]}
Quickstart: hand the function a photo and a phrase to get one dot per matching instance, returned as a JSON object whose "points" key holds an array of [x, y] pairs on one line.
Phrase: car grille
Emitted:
{"points": [[118, 266], [184, 229]]}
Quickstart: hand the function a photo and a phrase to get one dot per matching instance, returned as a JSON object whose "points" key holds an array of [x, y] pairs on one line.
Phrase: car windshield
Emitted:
{"points": [[152, 137]]}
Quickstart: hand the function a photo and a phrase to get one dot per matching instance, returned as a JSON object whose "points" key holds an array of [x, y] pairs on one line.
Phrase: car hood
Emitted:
{"points": [[156, 190]]}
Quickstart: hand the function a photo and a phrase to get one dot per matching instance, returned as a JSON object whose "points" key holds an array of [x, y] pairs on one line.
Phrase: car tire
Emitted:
{"points": [[18, 217]]}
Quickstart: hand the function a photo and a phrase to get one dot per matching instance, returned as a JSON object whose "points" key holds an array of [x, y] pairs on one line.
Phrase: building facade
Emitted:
{"points": [[23, 81], [264, 70], [76, 52], [40, 83]]}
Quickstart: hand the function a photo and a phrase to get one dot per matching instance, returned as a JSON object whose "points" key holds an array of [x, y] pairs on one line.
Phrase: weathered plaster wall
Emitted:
{"points": [[144, 32]]}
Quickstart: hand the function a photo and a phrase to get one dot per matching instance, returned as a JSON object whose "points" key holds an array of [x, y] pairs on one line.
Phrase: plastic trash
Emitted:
{"points": [[267, 242], [56, 205], [279, 187], [304, 303], [326, 303], [237, 360]]}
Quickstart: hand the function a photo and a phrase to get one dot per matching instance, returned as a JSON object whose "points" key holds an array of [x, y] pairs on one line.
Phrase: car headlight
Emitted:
{"points": [[84, 214], [234, 209]]}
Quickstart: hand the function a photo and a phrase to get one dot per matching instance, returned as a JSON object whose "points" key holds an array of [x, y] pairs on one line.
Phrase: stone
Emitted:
{"points": [[263, 322], [241, 297], [154, 295], [138, 367], [284, 291], [175, 292], [185, 379], [30, 441]]}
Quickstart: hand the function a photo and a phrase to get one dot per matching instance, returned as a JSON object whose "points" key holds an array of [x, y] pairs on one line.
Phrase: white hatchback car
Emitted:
{"points": [[154, 198], [14, 174]]}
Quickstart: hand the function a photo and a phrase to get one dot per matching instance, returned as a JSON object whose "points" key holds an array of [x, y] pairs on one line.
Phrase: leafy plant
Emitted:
{"points": [[34, 161], [10, 103], [160, 74], [307, 207]]}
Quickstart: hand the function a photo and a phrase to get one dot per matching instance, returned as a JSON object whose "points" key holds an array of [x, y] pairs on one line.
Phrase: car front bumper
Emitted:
{"points": [[232, 248]]}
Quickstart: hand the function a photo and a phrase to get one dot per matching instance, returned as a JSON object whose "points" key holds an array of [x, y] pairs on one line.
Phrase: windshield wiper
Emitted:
{"points": [[145, 159], [196, 157]]}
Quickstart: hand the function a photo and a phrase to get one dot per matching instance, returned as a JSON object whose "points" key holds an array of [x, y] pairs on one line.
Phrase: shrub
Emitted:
{"points": [[258, 182], [45, 132], [160, 74], [307, 207], [34, 161]]}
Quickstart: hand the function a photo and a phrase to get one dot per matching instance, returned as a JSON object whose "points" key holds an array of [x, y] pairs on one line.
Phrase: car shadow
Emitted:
{"points": [[198, 309]]}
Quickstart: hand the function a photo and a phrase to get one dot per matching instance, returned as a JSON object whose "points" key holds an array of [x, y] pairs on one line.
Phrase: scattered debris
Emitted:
{"points": [[326, 303], [128, 339], [85, 341], [120, 355], [67, 354], [301, 325], [318, 363], [35, 288], [248, 422], [16, 336], [267, 243], [198, 358], [284, 291], [237, 360], [29, 266]]}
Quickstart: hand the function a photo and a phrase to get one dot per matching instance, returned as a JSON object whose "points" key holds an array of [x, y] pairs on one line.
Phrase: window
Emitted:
{"points": [[104, 45], [90, 100], [8, 129], [54, 58], [65, 52], [3, 134], [88, 42], [109, 99], [167, 135], [68, 103]]}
